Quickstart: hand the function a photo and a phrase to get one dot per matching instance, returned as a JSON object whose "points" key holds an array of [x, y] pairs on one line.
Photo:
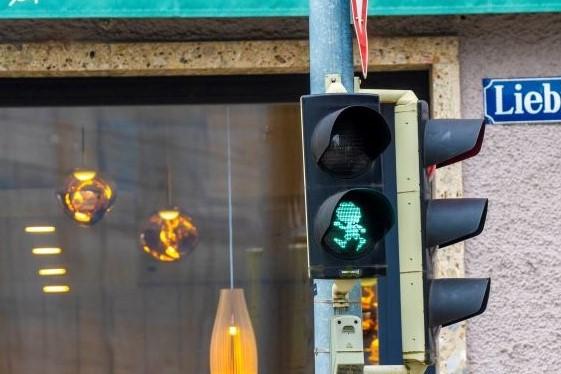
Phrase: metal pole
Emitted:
{"points": [[331, 52], [331, 43]]}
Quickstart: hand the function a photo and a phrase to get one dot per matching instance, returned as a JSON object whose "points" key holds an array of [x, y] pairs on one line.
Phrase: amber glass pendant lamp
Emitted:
{"points": [[169, 234], [85, 195]]}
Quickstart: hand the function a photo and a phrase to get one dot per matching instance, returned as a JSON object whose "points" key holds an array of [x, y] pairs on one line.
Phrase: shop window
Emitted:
{"points": [[88, 297]]}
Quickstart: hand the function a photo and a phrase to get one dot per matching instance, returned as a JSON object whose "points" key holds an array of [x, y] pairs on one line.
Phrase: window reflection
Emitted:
{"points": [[369, 303], [114, 309]]}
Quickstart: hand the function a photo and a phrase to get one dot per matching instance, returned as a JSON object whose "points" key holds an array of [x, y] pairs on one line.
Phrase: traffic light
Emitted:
{"points": [[426, 224], [348, 177], [449, 221]]}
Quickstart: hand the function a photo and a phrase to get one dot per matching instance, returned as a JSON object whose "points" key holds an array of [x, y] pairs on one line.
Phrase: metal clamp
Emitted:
{"points": [[333, 84]]}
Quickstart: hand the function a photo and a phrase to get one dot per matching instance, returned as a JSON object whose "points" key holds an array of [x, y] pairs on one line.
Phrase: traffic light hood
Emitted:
{"points": [[456, 299], [448, 141], [451, 221], [344, 136]]}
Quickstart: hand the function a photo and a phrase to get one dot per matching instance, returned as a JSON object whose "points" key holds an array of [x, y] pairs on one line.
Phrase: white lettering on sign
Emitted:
{"points": [[13, 2], [532, 98], [552, 100], [518, 99], [499, 100], [531, 102]]}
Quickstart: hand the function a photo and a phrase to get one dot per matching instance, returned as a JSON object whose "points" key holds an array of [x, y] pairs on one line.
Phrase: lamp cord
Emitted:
{"points": [[83, 146], [230, 235], [169, 190]]}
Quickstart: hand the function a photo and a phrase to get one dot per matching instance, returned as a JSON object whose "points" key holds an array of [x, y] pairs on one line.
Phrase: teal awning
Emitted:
{"points": [[252, 8]]}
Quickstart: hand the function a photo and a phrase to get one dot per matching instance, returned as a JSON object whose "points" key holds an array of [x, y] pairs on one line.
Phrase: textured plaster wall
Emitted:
{"points": [[519, 169]]}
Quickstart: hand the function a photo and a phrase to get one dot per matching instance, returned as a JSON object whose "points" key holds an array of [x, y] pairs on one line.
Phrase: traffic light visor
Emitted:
{"points": [[451, 221], [447, 141], [350, 224], [457, 299], [346, 142]]}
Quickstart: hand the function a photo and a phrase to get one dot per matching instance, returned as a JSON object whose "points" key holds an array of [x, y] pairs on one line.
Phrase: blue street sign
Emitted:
{"points": [[522, 100]]}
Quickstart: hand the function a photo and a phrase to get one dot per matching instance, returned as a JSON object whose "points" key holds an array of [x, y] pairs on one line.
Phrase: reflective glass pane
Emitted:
{"points": [[115, 308]]}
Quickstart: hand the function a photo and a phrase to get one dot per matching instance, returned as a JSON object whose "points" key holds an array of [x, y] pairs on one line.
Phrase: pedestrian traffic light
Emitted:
{"points": [[426, 224], [349, 210]]}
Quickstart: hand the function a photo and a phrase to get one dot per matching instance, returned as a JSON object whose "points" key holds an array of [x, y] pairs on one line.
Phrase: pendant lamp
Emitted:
{"points": [[85, 196], [233, 349], [169, 234]]}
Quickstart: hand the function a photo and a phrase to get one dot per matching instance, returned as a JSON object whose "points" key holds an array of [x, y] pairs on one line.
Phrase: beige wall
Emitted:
{"points": [[519, 170]]}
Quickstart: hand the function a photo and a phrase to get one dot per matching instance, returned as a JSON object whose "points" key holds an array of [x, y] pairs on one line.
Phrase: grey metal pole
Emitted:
{"points": [[331, 52], [331, 43]]}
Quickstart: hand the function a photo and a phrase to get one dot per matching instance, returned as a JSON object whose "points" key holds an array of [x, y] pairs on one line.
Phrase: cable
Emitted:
{"points": [[230, 226]]}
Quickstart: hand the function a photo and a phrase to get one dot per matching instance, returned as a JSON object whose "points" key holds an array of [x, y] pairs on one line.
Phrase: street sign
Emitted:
{"points": [[522, 100], [359, 9]]}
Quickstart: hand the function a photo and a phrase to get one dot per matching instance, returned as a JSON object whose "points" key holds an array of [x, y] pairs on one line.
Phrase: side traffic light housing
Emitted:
{"points": [[424, 224], [446, 222]]}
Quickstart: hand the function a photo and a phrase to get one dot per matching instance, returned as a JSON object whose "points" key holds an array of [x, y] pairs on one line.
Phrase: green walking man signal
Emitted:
{"points": [[348, 218]]}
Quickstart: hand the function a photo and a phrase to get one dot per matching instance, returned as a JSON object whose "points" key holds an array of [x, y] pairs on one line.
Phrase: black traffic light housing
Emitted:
{"points": [[348, 207], [448, 221]]}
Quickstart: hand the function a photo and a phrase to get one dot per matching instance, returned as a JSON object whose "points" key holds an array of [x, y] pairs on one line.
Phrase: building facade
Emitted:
{"points": [[456, 46]]}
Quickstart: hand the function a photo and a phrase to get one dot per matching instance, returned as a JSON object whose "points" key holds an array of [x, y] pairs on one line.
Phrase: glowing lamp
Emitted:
{"points": [[233, 349], [40, 229], [169, 235], [51, 271], [86, 197], [56, 289], [46, 251]]}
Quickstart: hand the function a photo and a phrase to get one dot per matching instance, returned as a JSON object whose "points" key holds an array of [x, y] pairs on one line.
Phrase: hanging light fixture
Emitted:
{"points": [[233, 349], [85, 196], [169, 235]]}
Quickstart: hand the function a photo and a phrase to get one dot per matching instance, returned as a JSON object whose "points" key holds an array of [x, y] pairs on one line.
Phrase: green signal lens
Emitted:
{"points": [[351, 225], [348, 234]]}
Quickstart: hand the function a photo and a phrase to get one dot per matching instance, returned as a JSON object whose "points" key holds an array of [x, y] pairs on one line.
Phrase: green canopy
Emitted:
{"points": [[252, 8]]}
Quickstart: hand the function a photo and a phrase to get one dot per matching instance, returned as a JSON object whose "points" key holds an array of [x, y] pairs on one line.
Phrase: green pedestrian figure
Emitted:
{"points": [[348, 217]]}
